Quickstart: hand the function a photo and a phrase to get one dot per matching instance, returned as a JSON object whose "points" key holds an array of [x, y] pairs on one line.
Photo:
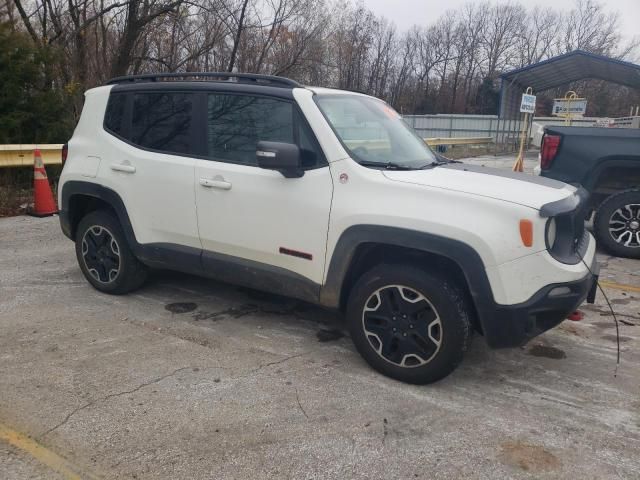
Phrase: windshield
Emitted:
{"points": [[374, 133]]}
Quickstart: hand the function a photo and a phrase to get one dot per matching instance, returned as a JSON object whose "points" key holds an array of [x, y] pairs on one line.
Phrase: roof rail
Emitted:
{"points": [[254, 78]]}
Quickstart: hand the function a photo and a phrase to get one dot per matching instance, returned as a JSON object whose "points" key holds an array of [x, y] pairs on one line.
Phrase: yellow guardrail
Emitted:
{"points": [[459, 141], [432, 142], [22, 155]]}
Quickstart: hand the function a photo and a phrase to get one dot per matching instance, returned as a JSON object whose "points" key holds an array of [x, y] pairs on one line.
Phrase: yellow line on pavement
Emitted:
{"points": [[619, 286], [42, 454]]}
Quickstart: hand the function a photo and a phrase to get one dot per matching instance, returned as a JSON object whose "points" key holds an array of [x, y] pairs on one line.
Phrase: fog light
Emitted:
{"points": [[559, 291]]}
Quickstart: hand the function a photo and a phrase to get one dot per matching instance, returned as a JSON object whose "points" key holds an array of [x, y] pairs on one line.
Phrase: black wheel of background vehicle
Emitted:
{"points": [[409, 324], [617, 224], [104, 255]]}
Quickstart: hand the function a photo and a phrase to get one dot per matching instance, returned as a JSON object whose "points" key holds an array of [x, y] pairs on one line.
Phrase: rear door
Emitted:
{"points": [[246, 213], [150, 138]]}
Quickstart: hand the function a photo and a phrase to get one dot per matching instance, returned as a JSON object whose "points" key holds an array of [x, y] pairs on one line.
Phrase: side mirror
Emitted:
{"points": [[283, 157]]}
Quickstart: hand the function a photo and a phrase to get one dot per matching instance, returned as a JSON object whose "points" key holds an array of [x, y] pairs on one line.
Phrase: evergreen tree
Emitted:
{"points": [[31, 109]]}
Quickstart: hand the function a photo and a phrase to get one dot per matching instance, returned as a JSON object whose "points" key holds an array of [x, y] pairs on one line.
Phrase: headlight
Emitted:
{"points": [[551, 233]]}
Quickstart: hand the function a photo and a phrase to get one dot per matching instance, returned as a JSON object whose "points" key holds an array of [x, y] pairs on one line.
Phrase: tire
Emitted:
{"points": [[104, 255], [617, 224], [427, 344]]}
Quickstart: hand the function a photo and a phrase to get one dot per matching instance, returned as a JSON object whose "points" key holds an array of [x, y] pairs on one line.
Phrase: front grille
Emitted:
{"points": [[579, 218], [572, 238]]}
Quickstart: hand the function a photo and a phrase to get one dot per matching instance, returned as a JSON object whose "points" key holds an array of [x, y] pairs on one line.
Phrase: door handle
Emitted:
{"points": [[217, 182], [123, 167]]}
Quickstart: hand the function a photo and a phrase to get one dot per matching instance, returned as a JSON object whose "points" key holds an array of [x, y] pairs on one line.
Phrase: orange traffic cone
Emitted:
{"points": [[43, 202]]}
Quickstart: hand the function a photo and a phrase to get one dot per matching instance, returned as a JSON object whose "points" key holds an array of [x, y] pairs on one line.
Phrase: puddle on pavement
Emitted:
{"points": [[181, 307], [329, 335], [266, 297], [232, 312], [547, 352]]}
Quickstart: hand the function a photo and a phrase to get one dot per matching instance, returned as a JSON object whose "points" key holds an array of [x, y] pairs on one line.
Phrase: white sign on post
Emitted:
{"points": [[563, 107], [604, 123], [528, 104]]}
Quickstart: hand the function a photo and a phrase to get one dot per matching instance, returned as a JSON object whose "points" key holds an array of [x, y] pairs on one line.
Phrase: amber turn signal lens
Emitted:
{"points": [[526, 232]]}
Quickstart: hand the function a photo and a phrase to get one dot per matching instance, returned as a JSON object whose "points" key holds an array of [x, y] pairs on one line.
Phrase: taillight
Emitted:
{"points": [[65, 152], [549, 149]]}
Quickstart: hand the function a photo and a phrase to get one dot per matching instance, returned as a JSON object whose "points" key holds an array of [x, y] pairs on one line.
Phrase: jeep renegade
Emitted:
{"points": [[326, 196]]}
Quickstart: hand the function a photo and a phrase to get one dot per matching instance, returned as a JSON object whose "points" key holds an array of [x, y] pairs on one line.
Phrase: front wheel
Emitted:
{"points": [[409, 324], [617, 224]]}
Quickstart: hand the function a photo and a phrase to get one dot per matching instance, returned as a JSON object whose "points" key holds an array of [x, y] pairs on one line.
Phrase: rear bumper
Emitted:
{"points": [[514, 325]]}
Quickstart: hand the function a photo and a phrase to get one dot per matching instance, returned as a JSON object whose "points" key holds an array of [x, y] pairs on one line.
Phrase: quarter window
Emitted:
{"points": [[236, 123], [114, 116], [162, 121]]}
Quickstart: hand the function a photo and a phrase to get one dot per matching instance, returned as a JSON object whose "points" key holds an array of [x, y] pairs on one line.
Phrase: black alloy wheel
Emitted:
{"points": [[402, 326], [105, 257], [408, 322], [101, 254]]}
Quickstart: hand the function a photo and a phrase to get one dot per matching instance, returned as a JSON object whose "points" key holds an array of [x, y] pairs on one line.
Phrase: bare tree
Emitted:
{"points": [[503, 24], [537, 37], [451, 65], [589, 27]]}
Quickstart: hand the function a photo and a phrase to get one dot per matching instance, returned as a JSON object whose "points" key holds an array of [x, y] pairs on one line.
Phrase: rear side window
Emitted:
{"points": [[162, 121], [114, 116], [236, 123]]}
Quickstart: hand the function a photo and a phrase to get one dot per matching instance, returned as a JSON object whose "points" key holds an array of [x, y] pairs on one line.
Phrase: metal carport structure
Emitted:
{"points": [[555, 72]]}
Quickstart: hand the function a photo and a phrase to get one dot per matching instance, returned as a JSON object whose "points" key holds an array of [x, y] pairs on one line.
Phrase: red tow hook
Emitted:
{"points": [[576, 316]]}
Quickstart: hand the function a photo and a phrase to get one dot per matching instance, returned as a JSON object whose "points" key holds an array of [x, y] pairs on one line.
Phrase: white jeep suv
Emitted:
{"points": [[326, 196]]}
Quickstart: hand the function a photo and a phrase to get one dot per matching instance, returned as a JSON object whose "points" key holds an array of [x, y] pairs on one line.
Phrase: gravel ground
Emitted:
{"points": [[236, 384]]}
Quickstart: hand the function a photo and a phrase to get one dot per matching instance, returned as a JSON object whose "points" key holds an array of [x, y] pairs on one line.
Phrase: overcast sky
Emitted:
{"points": [[405, 13]]}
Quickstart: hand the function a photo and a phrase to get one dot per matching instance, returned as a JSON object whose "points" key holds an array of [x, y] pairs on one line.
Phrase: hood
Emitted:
{"points": [[515, 187]]}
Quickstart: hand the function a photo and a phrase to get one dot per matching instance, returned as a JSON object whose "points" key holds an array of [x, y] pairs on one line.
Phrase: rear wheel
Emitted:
{"points": [[409, 324], [104, 256], [617, 224]]}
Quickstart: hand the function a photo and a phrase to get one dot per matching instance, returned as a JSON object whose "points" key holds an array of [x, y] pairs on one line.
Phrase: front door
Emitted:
{"points": [[272, 230]]}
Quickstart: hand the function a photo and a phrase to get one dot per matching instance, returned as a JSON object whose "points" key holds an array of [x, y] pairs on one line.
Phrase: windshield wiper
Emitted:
{"points": [[435, 163], [387, 165], [440, 160]]}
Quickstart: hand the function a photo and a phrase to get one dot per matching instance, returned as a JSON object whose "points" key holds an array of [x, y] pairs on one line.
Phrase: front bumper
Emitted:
{"points": [[515, 325]]}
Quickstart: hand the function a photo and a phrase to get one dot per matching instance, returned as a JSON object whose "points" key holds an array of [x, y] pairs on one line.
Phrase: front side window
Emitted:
{"points": [[373, 133], [236, 123], [162, 121]]}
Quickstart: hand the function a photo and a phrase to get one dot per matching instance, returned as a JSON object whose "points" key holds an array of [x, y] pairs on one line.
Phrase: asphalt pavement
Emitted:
{"points": [[191, 378]]}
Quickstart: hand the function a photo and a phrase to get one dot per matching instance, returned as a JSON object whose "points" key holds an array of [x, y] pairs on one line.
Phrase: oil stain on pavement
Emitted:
{"points": [[547, 352], [181, 307]]}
